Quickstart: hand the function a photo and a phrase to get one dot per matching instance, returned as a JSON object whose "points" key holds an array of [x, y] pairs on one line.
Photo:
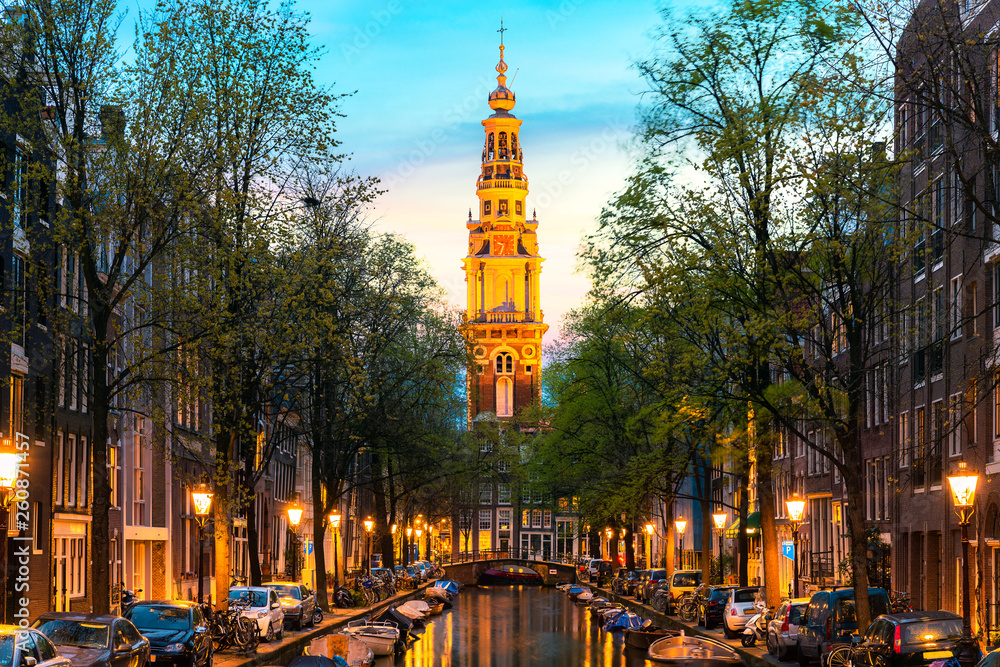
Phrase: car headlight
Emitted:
{"points": [[262, 613], [174, 648], [296, 609]]}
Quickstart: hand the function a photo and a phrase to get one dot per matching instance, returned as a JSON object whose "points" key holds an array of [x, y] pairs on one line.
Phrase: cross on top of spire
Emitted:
{"points": [[501, 31]]}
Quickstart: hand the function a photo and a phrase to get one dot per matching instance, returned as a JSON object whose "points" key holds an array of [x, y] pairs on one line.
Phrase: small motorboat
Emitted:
{"points": [[688, 651], [606, 614], [452, 587], [435, 606], [350, 650], [585, 597], [573, 591], [563, 587], [647, 633], [415, 610], [621, 621], [510, 574], [318, 661], [379, 637]]}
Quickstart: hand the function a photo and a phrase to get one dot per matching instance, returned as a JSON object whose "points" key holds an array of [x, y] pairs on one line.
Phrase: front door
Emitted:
{"points": [[59, 590]]}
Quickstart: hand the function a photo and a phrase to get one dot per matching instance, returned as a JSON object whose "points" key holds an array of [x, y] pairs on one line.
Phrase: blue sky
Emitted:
{"points": [[422, 72]]}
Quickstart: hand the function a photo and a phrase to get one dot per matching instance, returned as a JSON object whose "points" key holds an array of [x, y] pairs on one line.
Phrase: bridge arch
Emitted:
{"points": [[468, 573]]}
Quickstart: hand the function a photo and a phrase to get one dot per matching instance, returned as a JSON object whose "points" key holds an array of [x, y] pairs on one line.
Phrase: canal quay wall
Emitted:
{"points": [[752, 657], [281, 653]]}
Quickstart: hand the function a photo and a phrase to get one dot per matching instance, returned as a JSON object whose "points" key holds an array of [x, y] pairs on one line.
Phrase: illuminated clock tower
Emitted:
{"points": [[503, 319]]}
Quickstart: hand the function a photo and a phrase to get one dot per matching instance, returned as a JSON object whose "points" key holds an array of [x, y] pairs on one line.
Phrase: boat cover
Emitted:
{"points": [[400, 620], [622, 620], [452, 587], [317, 661]]}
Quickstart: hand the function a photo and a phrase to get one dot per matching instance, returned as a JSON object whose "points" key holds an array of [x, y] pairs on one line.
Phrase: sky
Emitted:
{"points": [[420, 73]]}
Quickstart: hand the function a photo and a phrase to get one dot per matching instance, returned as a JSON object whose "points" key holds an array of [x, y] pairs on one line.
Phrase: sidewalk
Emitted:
{"points": [[294, 642], [752, 657]]}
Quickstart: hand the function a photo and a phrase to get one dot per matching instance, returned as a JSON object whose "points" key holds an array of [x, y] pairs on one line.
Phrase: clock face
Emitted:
{"points": [[504, 244]]}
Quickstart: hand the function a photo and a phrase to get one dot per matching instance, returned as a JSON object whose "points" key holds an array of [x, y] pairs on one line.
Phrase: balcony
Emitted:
{"points": [[504, 318], [520, 184]]}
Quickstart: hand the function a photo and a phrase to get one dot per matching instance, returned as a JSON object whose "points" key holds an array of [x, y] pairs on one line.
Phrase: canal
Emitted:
{"points": [[516, 626]]}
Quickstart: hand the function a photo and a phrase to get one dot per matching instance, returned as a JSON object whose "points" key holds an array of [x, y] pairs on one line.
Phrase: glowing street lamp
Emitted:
{"points": [[416, 552], [294, 517], [369, 524], [796, 506], [607, 551], [649, 530], [720, 519], [680, 524], [963, 490], [335, 524], [202, 499], [10, 463]]}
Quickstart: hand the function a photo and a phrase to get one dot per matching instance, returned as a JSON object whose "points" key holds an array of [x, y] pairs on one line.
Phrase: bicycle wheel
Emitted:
{"points": [[839, 657], [688, 611], [369, 597]]}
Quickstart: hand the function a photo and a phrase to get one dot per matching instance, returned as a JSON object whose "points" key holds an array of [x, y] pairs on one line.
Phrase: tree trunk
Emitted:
{"points": [[668, 553], [253, 539], [706, 522], [630, 550], [859, 542], [100, 530], [742, 541], [768, 528], [319, 531], [221, 510]]}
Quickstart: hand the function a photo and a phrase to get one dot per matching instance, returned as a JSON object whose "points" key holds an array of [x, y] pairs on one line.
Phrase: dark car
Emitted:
{"points": [[176, 629], [25, 647], [830, 617], [297, 601], [911, 639], [713, 602], [94, 640], [656, 579]]}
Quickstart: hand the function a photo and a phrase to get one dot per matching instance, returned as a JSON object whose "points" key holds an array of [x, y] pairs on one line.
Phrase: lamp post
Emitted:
{"points": [[720, 519], [294, 517], [680, 524], [9, 466], [796, 506], [963, 489], [650, 528], [369, 524], [416, 546], [409, 546], [607, 549], [202, 499], [335, 523], [393, 531]]}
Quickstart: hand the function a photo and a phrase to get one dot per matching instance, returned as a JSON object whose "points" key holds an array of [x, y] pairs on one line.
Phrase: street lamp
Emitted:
{"points": [[607, 550], [9, 467], [369, 524], [680, 524], [294, 517], [409, 546], [416, 545], [650, 528], [796, 506], [335, 523], [720, 519], [202, 499], [963, 489], [392, 529]]}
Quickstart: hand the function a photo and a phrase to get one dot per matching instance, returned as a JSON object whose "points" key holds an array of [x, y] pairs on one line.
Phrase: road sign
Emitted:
{"points": [[788, 549], [309, 547]]}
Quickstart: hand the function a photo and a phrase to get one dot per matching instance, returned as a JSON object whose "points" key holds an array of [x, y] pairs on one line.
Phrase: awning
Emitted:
{"points": [[753, 526]]}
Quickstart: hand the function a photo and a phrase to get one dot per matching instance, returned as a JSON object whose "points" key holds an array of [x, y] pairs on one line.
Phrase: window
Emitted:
{"points": [[525, 494], [547, 519], [485, 520], [17, 301], [939, 416], [526, 519], [505, 399], [955, 426], [16, 405], [71, 465], [82, 500], [956, 307], [139, 463], [19, 187], [937, 232], [485, 494], [971, 310], [59, 466], [503, 465], [503, 519], [919, 446], [505, 363], [503, 494], [536, 518]]}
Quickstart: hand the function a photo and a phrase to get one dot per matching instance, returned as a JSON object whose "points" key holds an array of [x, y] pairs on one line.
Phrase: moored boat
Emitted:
{"points": [[435, 606], [647, 633], [379, 637], [510, 574], [621, 621], [688, 651], [585, 597]]}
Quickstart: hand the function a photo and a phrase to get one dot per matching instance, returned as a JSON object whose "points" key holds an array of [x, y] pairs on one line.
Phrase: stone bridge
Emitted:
{"points": [[468, 573]]}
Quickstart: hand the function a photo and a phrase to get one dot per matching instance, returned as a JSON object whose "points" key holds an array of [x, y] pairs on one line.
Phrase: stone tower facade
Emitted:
{"points": [[503, 317]]}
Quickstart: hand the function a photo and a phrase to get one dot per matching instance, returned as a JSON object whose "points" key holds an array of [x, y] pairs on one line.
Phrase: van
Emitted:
{"points": [[682, 581], [829, 617]]}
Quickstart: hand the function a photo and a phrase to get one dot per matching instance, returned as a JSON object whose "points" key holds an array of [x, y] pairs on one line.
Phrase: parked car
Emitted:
{"points": [[738, 610], [264, 609], [712, 605], [94, 640], [297, 602], [596, 567], [177, 632], [829, 617], [682, 581], [27, 646], [655, 580], [910, 639], [783, 629]]}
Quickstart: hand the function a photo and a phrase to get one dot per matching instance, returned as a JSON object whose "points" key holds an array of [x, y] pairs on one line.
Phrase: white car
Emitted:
{"points": [[265, 609]]}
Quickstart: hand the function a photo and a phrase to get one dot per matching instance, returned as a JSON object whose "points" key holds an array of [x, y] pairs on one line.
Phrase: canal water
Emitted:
{"points": [[516, 626]]}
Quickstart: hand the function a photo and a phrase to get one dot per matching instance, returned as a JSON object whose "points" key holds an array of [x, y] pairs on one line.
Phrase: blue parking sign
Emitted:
{"points": [[788, 549]]}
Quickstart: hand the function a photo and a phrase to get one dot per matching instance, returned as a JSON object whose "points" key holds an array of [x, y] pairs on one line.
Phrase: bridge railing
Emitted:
{"points": [[545, 555]]}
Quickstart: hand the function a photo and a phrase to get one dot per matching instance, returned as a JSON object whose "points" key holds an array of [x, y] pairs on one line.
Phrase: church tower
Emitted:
{"points": [[503, 317]]}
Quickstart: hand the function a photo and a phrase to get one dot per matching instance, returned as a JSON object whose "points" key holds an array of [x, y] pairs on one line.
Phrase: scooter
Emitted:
{"points": [[756, 627]]}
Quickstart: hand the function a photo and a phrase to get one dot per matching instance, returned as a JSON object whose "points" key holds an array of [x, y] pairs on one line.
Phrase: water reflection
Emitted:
{"points": [[514, 626]]}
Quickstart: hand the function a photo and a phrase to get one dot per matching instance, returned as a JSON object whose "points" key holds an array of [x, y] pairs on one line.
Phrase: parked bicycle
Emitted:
{"points": [[899, 602], [230, 628], [687, 607], [661, 600]]}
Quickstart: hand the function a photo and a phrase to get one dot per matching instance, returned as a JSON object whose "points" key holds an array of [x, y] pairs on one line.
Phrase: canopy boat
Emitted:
{"points": [[646, 634], [510, 574], [607, 613], [585, 597], [342, 650], [435, 606], [688, 651], [380, 637], [415, 610], [621, 621], [452, 587], [573, 591], [438, 595]]}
